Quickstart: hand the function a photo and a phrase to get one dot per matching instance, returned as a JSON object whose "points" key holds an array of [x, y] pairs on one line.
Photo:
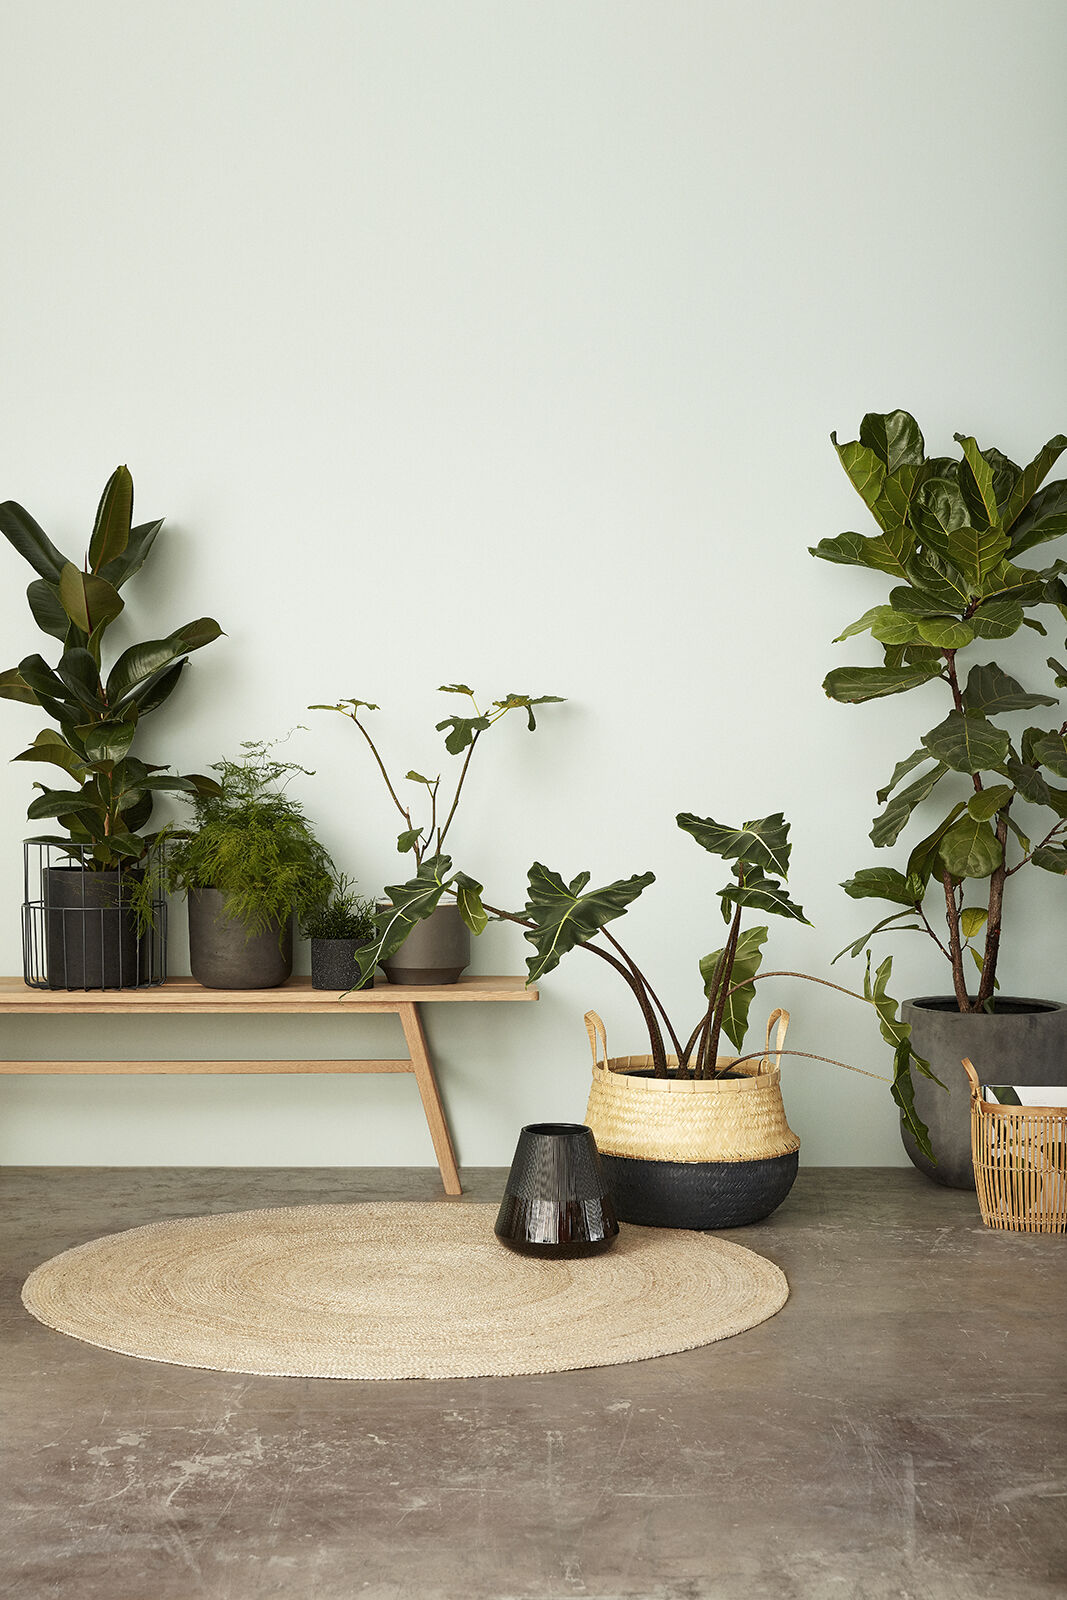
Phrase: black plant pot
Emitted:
{"points": [[223, 956], [1023, 1041], [91, 938], [698, 1194], [556, 1201], [333, 963]]}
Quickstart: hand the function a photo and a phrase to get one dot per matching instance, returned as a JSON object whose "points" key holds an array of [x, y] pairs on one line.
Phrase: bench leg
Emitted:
{"points": [[422, 1067]]}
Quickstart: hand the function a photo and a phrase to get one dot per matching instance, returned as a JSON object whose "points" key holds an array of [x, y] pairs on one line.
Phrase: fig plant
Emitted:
{"points": [[97, 715], [952, 534]]}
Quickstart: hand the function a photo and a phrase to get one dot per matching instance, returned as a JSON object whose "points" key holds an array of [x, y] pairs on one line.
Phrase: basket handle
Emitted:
{"points": [[782, 1018], [972, 1079], [598, 1035]]}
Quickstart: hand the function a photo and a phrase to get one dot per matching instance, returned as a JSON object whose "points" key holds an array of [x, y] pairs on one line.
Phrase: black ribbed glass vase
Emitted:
{"points": [[556, 1201]]}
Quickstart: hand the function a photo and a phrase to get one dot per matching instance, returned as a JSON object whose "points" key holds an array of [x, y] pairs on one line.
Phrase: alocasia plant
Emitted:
{"points": [[951, 537]]}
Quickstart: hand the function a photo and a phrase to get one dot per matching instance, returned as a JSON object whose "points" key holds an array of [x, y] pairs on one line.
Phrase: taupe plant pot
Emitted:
{"points": [[437, 950], [221, 954], [1024, 1041]]}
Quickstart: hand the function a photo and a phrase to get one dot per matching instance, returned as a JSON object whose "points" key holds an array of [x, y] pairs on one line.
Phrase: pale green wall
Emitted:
{"points": [[502, 341]]}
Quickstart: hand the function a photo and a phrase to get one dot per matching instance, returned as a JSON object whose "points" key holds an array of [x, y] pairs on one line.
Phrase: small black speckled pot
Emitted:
{"points": [[333, 963]]}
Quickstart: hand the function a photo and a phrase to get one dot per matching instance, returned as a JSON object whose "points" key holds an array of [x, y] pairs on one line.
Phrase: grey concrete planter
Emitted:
{"points": [[437, 950], [1024, 1041], [222, 956]]}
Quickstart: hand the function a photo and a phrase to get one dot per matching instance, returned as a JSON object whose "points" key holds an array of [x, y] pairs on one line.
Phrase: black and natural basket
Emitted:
{"points": [[692, 1152]]}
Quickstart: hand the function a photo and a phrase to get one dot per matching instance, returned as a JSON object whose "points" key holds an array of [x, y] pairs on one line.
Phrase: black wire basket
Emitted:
{"points": [[86, 927]]}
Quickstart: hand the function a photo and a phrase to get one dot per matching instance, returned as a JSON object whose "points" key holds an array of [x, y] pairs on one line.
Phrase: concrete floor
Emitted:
{"points": [[897, 1430]]}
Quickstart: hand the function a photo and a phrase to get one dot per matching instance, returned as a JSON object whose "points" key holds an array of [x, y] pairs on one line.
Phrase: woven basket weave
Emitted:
{"points": [[1020, 1163], [687, 1120]]}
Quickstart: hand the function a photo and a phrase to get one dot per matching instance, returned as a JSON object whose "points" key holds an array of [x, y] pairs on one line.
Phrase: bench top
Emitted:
{"points": [[191, 998]]}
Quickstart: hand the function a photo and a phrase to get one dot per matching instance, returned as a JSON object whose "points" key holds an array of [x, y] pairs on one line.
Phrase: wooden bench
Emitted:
{"points": [[181, 996]]}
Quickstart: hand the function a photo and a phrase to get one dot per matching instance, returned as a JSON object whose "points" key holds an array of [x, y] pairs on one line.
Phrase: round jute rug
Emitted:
{"points": [[394, 1290]]}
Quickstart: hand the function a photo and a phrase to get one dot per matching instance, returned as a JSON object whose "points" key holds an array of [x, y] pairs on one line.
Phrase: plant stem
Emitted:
{"points": [[957, 700], [987, 987], [709, 1044], [459, 787], [963, 999], [653, 996], [381, 768], [635, 980], [758, 1055]]}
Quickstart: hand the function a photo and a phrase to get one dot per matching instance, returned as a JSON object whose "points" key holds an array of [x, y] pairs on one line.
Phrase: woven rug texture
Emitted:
{"points": [[394, 1290]]}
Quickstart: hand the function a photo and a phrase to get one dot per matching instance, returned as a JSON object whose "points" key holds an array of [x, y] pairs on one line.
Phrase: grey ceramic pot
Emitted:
{"points": [[221, 954], [437, 950], [1024, 1041]]}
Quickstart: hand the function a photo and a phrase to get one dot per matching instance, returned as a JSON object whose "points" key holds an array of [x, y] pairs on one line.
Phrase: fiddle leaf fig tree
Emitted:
{"points": [[97, 713], [951, 536]]}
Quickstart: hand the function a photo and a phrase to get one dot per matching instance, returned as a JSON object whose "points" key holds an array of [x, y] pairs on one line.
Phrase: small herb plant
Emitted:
{"points": [[253, 843], [413, 901], [97, 715], [952, 534], [342, 915]]}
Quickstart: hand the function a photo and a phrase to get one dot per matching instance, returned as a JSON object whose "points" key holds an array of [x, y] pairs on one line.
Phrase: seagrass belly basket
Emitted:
{"points": [[689, 1152]]}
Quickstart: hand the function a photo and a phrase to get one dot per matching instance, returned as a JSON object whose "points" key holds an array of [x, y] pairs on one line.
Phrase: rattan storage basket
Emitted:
{"points": [[687, 1119], [1020, 1163]]}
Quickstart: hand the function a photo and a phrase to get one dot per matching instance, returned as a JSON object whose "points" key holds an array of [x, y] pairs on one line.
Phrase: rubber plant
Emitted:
{"points": [[952, 535], [411, 902], [559, 917], [97, 715]]}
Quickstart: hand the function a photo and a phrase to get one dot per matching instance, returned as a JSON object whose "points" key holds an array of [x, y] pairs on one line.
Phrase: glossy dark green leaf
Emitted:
{"points": [[469, 899], [903, 1092], [1044, 518], [854, 685], [565, 915], [746, 963], [887, 828], [947, 633], [1048, 750], [140, 542], [63, 802], [80, 674], [143, 662], [923, 859], [901, 770], [154, 691], [977, 480], [932, 575], [987, 802], [525, 702], [89, 602], [910, 602], [1028, 781], [763, 844], [114, 517], [408, 839], [884, 883], [886, 625], [878, 553], [997, 619], [865, 472], [763, 894], [968, 743], [1052, 858], [1018, 832], [45, 607], [31, 541], [1031, 478], [13, 686], [52, 747], [107, 742], [894, 437], [970, 849], [991, 690], [50, 690]]}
